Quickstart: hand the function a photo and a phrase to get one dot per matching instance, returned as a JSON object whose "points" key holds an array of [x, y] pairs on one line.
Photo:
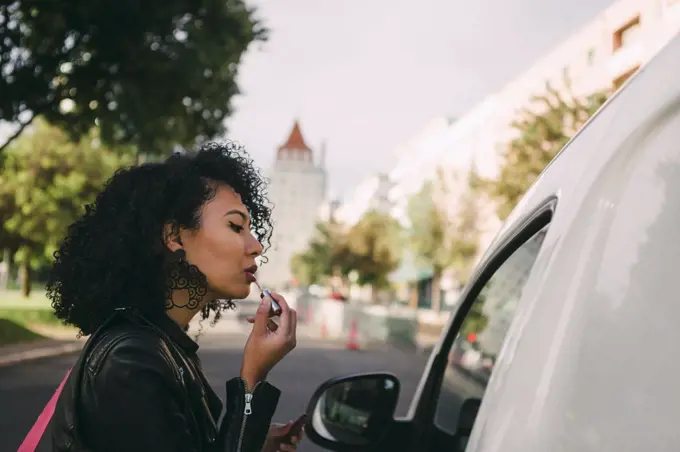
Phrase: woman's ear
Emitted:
{"points": [[171, 238]]}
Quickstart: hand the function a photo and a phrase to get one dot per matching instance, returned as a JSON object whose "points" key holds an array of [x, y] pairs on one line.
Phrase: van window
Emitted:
{"points": [[473, 354]]}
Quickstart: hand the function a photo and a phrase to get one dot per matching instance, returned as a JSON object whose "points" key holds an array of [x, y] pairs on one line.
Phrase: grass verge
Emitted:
{"points": [[14, 333], [10, 299], [30, 316], [24, 319]]}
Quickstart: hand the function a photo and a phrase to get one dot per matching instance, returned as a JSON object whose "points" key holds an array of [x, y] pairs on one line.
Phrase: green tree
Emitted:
{"points": [[374, 249], [327, 255], [313, 264], [465, 228], [45, 181], [151, 73], [427, 236], [446, 238], [542, 133], [304, 269], [476, 321]]}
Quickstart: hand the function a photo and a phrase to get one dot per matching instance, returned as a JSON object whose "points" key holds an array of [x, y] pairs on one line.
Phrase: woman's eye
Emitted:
{"points": [[236, 227]]}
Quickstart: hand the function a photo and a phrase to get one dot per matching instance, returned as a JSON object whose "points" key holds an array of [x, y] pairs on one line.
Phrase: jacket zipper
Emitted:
{"points": [[247, 411]]}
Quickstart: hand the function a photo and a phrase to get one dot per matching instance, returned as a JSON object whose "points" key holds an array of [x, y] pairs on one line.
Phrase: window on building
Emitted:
{"points": [[627, 34], [482, 334], [621, 79]]}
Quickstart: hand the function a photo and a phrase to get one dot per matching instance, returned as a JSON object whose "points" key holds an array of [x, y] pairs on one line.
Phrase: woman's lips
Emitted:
{"points": [[250, 276]]}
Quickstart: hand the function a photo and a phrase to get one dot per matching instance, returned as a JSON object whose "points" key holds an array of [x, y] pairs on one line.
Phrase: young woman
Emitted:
{"points": [[162, 243]]}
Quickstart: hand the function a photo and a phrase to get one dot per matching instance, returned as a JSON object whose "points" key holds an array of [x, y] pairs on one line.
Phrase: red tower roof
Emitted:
{"points": [[295, 140]]}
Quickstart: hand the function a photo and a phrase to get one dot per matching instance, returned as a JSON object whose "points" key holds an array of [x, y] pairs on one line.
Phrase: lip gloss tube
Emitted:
{"points": [[276, 308]]}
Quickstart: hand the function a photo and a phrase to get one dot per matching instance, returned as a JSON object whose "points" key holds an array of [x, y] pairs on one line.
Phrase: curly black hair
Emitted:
{"points": [[114, 255]]}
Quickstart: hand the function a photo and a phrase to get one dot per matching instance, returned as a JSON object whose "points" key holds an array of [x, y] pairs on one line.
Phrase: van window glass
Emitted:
{"points": [[474, 351]]}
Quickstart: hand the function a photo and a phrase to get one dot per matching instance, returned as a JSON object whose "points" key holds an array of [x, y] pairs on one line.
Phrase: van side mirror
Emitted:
{"points": [[352, 412]]}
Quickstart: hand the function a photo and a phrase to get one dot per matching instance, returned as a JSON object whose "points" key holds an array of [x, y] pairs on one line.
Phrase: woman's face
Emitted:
{"points": [[223, 247]]}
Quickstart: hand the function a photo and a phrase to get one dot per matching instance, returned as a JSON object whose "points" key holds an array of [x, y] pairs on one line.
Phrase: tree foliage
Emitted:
{"points": [[428, 229], [151, 73], [371, 248], [45, 181], [445, 221], [445, 226], [465, 229], [476, 320], [542, 133], [427, 235], [326, 254], [374, 248]]}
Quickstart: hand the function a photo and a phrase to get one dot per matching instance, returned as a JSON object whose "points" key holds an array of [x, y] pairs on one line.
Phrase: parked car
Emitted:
{"points": [[585, 266], [470, 358]]}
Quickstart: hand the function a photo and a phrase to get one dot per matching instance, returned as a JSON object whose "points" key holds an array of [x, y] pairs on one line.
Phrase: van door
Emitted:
{"points": [[452, 388]]}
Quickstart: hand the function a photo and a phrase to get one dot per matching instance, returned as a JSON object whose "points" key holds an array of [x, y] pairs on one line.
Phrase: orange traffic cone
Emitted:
{"points": [[353, 342]]}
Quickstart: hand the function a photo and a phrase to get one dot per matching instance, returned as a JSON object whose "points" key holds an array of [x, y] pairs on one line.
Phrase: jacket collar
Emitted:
{"points": [[176, 333]]}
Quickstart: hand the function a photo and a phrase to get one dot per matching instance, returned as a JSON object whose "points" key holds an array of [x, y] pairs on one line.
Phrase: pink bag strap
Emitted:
{"points": [[38, 430]]}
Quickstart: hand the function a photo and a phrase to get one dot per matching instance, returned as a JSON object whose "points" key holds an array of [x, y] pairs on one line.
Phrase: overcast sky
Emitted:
{"points": [[365, 75]]}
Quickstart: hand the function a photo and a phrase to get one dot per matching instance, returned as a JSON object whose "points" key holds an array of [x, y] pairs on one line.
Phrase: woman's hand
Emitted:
{"points": [[267, 346], [278, 439]]}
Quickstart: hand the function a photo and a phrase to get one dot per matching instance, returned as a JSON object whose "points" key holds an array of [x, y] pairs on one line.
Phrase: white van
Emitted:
{"points": [[581, 290]]}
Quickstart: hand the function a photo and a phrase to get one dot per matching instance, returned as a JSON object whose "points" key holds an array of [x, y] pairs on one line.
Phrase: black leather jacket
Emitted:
{"points": [[138, 386]]}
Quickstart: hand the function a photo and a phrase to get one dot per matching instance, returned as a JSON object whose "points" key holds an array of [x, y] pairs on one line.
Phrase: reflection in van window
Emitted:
{"points": [[474, 351]]}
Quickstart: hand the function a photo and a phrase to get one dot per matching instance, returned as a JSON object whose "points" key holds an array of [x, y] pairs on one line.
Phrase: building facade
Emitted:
{"points": [[297, 189], [600, 56], [371, 194], [329, 211]]}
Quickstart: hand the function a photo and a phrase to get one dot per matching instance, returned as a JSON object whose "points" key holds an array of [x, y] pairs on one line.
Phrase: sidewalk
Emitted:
{"points": [[64, 342], [16, 353]]}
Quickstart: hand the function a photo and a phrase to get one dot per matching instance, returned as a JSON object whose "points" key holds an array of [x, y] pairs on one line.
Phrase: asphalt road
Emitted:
{"points": [[25, 388]]}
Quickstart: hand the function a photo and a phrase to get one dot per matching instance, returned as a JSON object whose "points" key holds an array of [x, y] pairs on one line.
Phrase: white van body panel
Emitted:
{"points": [[591, 361]]}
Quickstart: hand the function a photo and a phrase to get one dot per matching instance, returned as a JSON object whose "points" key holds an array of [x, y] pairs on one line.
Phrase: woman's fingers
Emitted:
{"points": [[271, 325], [285, 323]]}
